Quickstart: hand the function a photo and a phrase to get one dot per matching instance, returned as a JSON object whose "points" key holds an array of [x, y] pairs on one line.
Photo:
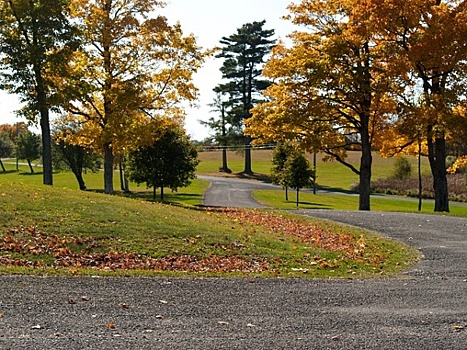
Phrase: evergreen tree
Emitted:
{"points": [[243, 54], [298, 173]]}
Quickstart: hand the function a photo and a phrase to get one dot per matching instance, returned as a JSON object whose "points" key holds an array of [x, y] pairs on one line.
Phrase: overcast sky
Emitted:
{"points": [[209, 21]]}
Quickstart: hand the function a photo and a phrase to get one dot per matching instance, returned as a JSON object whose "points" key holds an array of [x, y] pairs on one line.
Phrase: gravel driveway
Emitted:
{"points": [[424, 308]]}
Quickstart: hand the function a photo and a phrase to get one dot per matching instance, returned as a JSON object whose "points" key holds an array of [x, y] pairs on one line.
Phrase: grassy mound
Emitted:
{"points": [[56, 230]]}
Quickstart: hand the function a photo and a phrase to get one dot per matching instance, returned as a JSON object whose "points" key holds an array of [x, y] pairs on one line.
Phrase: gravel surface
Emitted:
{"points": [[424, 308]]}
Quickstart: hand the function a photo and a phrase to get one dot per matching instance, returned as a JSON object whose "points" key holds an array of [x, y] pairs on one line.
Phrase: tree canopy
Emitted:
{"points": [[134, 67], [170, 161], [331, 88], [37, 40]]}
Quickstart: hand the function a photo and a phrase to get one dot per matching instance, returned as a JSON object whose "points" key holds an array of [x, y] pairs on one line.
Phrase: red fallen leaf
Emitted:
{"points": [[110, 325]]}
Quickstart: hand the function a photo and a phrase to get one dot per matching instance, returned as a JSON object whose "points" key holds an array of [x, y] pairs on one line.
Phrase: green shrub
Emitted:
{"points": [[402, 169]]}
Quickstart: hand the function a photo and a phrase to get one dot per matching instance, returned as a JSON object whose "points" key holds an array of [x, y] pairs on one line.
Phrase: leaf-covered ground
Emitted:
{"points": [[35, 248]]}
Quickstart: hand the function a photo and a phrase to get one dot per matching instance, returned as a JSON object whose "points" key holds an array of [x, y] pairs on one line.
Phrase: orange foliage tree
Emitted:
{"points": [[331, 89], [135, 68], [429, 39]]}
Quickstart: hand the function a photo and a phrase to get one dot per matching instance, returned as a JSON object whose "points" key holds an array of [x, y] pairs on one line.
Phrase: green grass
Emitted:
{"points": [[94, 223], [307, 200]]}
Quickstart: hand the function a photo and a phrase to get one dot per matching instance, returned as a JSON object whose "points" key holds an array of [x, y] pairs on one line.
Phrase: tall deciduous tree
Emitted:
{"points": [[137, 67], [37, 41], [244, 53], [170, 161], [430, 41], [330, 90]]}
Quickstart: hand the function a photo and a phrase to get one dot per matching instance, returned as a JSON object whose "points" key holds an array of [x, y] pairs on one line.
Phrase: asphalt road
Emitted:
{"points": [[424, 308]]}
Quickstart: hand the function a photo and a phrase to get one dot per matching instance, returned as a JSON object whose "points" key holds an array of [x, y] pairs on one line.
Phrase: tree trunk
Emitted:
{"points": [[420, 188], [30, 166], [286, 193], [437, 158], [108, 168], [247, 169], [162, 194], [79, 178], [298, 193], [225, 167], [154, 192], [3, 167], [46, 147]]}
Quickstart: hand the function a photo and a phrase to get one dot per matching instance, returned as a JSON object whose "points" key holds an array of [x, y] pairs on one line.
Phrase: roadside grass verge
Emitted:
{"points": [[51, 230], [308, 200]]}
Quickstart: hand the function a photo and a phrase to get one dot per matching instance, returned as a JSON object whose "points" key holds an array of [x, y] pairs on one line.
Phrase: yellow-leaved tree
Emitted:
{"points": [[332, 87], [135, 68], [429, 39]]}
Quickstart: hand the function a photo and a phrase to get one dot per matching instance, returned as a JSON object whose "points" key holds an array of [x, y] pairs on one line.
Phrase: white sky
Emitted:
{"points": [[209, 21]]}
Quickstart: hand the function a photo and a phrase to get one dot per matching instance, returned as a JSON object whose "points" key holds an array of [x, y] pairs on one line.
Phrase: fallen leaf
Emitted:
{"points": [[124, 306], [36, 327], [71, 301], [336, 338], [163, 301], [223, 322], [2, 314], [110, 325], [85, 298], [251, 325]]}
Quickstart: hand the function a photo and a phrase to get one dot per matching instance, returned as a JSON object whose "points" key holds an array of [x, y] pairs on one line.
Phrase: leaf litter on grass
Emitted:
{"points": [[31, 247]]}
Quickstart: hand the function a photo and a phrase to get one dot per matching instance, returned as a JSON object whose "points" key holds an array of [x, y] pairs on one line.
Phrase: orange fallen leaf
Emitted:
{"points": [[110, 325]]}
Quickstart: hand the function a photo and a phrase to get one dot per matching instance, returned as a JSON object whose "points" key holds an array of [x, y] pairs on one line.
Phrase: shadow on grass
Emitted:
{"points": [[308, 205], [9, 172], [25, 173]]}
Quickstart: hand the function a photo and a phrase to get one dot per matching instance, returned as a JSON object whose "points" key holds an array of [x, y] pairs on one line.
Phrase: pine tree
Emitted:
{"points": [[244, 53]]}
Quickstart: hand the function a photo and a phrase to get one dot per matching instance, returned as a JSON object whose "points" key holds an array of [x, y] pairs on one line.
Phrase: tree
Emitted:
{"points": [[223, 127], [29, 147], [298, 173], [137, 68], [429, 40], [331, 88], [170, 161], [6, 147], [244, 54], [280, 155], [76, 157], [37, 40]]}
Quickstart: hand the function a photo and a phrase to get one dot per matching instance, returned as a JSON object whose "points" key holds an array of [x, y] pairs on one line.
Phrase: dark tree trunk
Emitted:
{"points": [[437, 158], [162, 194], [3, 167], [365, 178], [225, 167], [154, 192], [298, 194], [79, 178], [46, 148], [248, 169], [30, 166], [286, 193], [108, 168]]}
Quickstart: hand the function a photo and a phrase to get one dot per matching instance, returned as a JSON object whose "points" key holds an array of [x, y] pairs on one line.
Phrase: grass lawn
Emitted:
{"points": [[54, 230]]}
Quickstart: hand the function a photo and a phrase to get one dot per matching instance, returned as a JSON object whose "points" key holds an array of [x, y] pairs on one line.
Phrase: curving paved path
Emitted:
{"points": [[425, 308]]}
